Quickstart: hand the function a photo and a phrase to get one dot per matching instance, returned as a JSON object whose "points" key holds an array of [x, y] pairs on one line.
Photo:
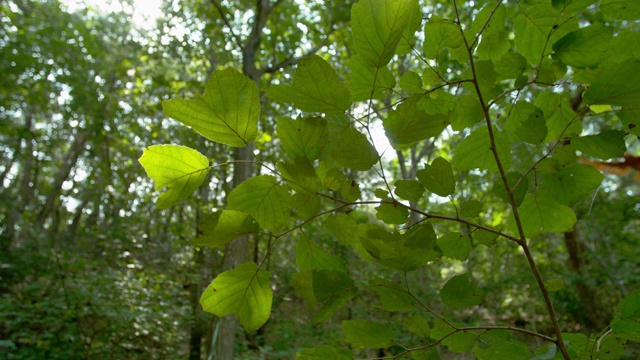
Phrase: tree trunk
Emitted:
{"points": [[69, 161], [598, 315]]}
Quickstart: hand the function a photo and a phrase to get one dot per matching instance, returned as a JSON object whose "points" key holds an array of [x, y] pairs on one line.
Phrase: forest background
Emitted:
{"points": [[429, 120]]}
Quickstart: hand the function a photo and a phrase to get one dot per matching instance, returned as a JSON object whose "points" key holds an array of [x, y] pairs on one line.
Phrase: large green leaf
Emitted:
{"points": [[585, 47], [332, 289], [315, 88], [438, 177], [410, 190], [606, 145], [323, 352], [406, 252], [503, 350], [418, 325], [537, 28], [460, 292], [561, 119], [377, 27], [352, 149], [244, 292], [368, 334], [392, 297], [475, 151], [618, 84], [408, 124], [227, 112], [626, 323], [540, 213], [178, 168], [302, 137], [621, 9], [440, 34], [310, 256], [300, 175], [571, 183], [455, 245], [264, 199], [221, 227], [365, 82]]}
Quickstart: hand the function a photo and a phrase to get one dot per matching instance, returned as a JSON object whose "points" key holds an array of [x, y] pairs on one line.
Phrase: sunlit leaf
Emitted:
{"points": [[365, 82], [264, 199], [377, 27], [440, 34], [221, 227], [408, 124], [227, 112], [179, 169], [455, 246], [244, 292], [410, 190], [310, 256], [315, 88], [302, 137]]}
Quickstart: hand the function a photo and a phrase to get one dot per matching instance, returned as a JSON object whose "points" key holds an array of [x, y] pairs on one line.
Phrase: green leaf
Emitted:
{"points": [[518, 194], [411, 82], [406, 252], [332, 289], [621, 9], [323, 352], [585, 47], [554, 285], [470, 209], [410, 190], [303, 137], [352, 149], [392, 213], [315, 88], [466, 112], [460, 292], [542, 213], [408, 124], [537, 28], [367, 334], [438, 177], [455, 246], [460, 342], [227, 113], [418, 325], [244, 292], [310, 256], [503, 350], [221, 227], [571, 183], [560, 118], [475, 151], [606, 145], [264, 199], [300, 175], [392, 297], [440, 34], [366, 82], [510, 66], [377, 27], [495, 38], [484, 237], [618, 84], [178, 168], [626, 323]]}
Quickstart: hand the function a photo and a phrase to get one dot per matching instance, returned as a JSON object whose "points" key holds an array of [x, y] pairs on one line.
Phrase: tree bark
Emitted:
{"points": [[598, 315], [69, 161]]}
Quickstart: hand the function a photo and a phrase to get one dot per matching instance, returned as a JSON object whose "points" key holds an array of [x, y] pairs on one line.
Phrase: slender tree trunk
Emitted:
{"points": [[69, 161], [598, 315]]}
